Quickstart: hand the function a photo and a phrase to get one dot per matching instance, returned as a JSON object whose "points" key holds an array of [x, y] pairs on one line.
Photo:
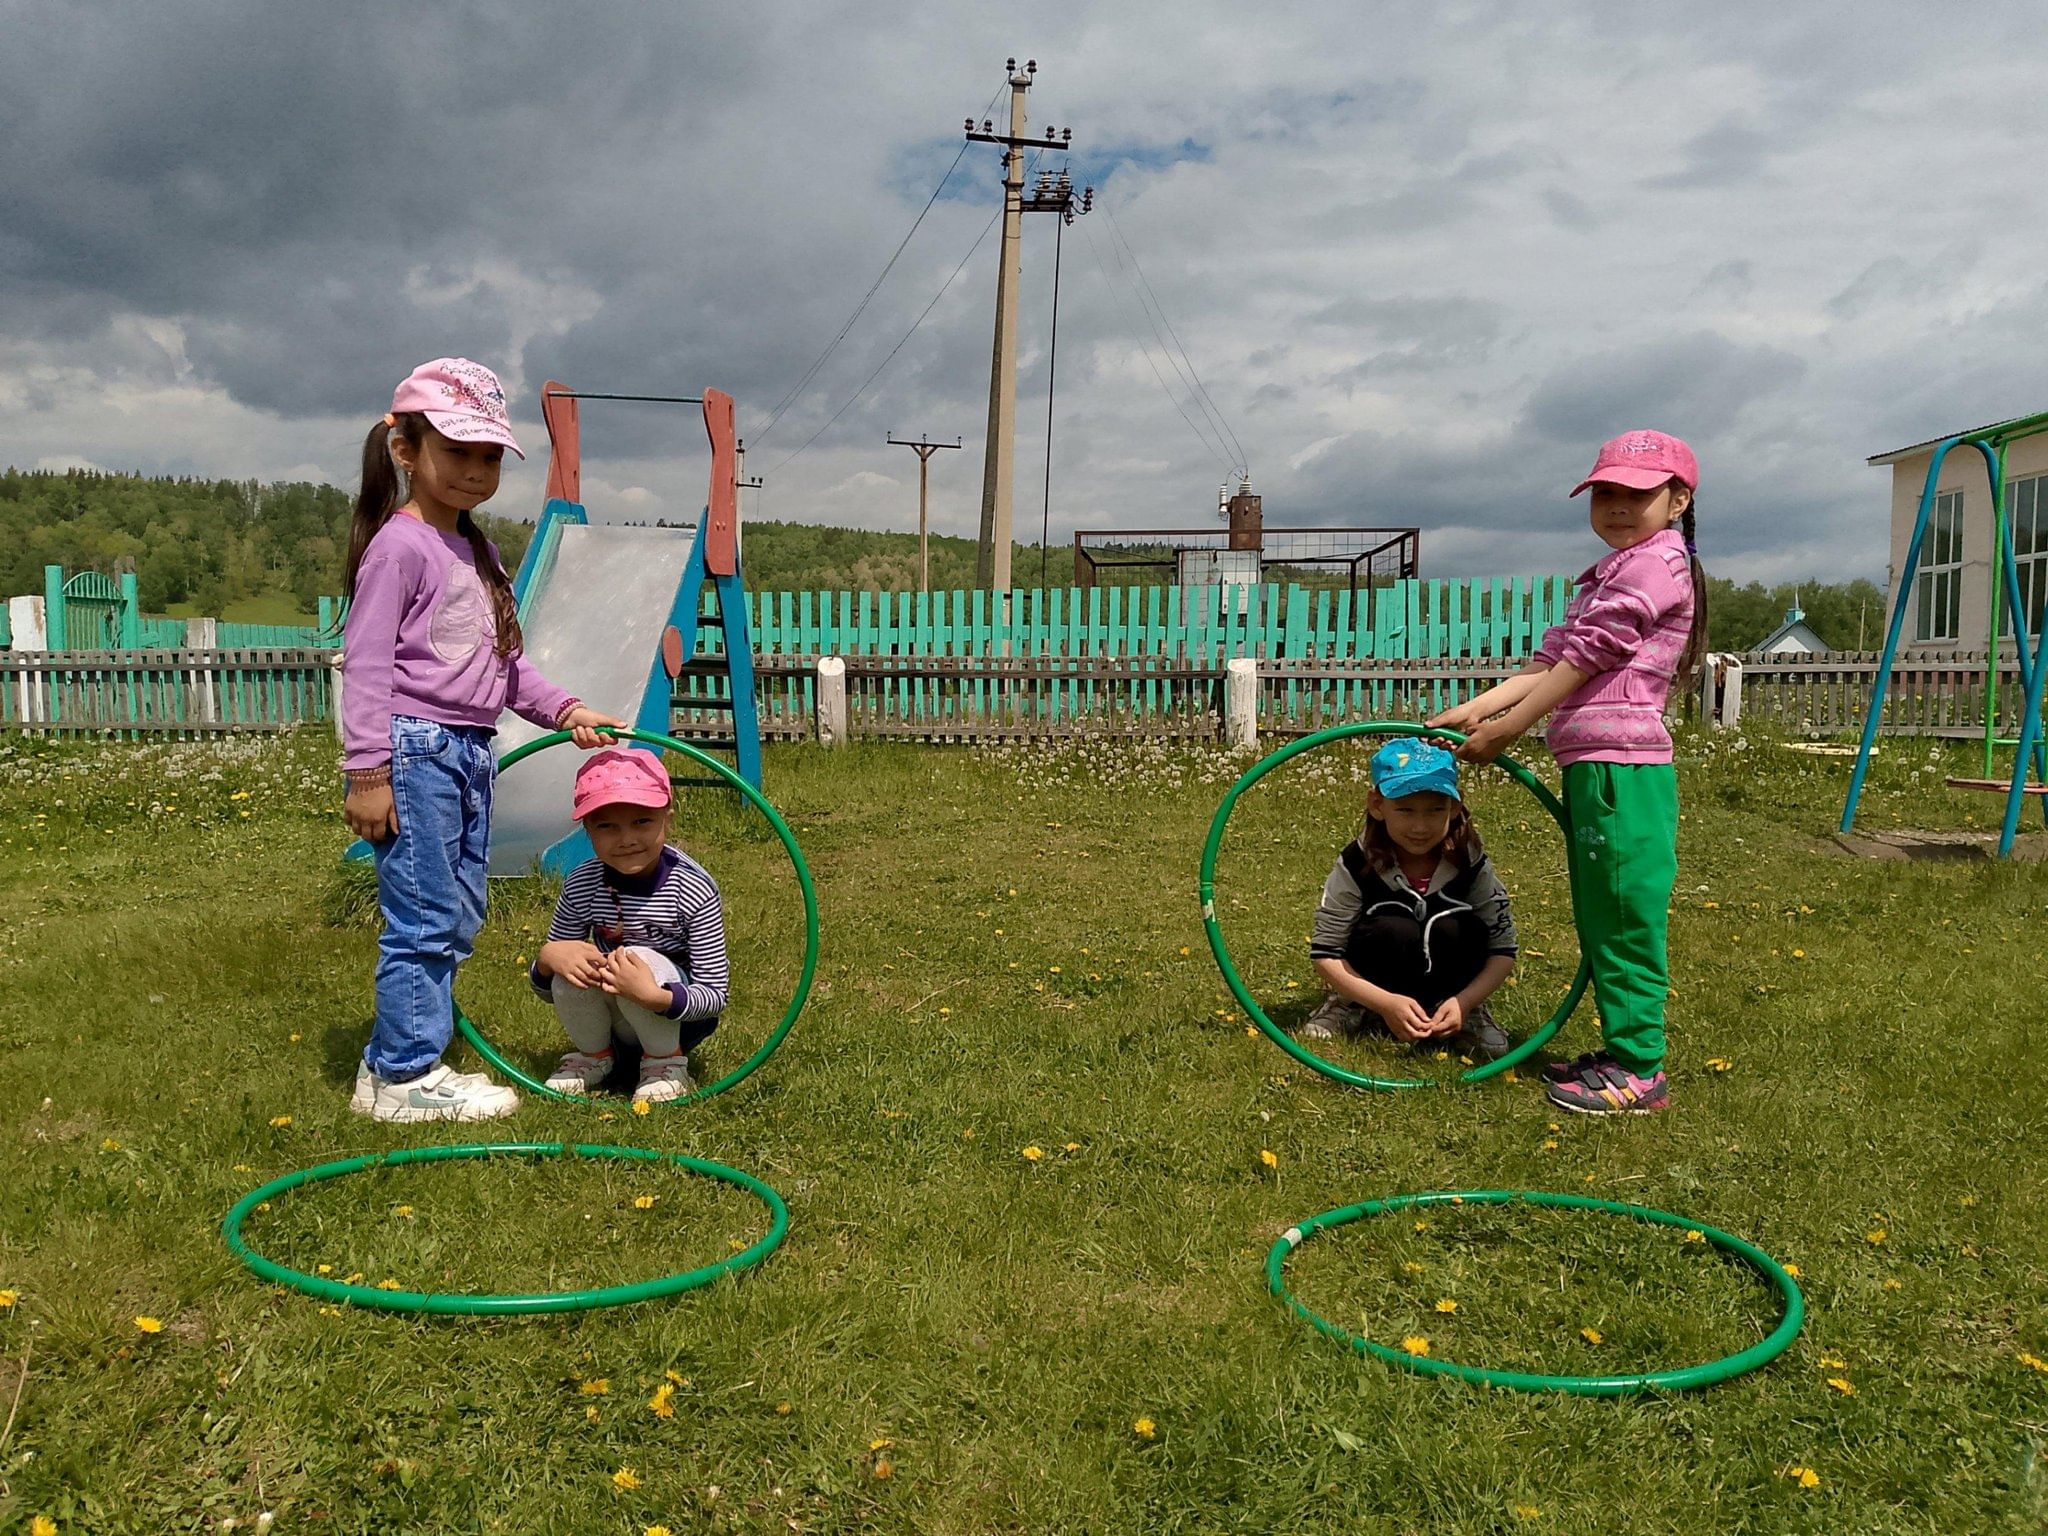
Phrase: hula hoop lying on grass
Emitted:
{"points": [[1242, 993], [767, 1048], [1676, 1379], [482, 1305]]}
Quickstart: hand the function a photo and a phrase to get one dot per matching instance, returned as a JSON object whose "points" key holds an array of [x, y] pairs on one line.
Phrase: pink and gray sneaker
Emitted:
{"points": [[1568, 1071], [1606, 1087]]}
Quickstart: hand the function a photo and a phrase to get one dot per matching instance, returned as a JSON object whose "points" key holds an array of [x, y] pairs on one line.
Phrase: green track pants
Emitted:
{"points": [[1624, 858]]}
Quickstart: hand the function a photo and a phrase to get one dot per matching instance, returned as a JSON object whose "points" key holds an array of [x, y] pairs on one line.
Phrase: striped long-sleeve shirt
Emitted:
{"points": [[674, 909], [1625, 628]]}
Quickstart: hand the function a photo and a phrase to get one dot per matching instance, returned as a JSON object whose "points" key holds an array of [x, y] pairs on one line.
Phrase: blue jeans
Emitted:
{"points": [[430, 888]]}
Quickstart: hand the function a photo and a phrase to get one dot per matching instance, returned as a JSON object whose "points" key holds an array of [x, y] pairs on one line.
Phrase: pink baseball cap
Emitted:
{"points": [[620, 776], [1643, 460], [462, 399]]}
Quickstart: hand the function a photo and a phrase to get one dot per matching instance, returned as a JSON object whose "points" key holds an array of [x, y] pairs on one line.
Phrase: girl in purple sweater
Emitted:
{"points": [[1636, 622], [430, 659]]}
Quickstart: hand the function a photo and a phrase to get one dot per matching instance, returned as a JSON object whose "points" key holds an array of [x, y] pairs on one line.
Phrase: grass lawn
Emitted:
{"points": [[261, 608], [1023, 1135]]}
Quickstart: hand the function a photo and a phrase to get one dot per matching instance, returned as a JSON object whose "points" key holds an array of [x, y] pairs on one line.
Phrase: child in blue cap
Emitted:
{"points": [[1413, 932]]}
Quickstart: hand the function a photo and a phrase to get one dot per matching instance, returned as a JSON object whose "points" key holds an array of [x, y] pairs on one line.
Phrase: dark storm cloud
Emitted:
{"points": [[1695, 385]]}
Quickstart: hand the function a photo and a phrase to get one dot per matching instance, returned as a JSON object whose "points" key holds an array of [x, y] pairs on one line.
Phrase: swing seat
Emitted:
{"points": [[2000, 786]]}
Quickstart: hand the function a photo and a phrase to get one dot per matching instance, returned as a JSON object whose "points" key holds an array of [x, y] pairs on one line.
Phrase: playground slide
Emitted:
{"points": [[592, 624]]}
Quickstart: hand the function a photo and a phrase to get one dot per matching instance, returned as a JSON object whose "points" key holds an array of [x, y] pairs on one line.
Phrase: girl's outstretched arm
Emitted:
{"points": [[1490, 738], [1502, 695]]}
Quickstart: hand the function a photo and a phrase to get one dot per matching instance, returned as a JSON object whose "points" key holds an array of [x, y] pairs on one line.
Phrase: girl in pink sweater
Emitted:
{"points": [[430, 658], [1636, 623]]}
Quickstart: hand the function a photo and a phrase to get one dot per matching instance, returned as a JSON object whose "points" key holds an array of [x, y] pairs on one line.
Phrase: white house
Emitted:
{"points": [[1949, 606], [1792, 638]]}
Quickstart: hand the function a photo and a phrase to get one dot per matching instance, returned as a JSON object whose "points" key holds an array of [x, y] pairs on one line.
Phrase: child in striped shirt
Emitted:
{"points": [[636, 949]]}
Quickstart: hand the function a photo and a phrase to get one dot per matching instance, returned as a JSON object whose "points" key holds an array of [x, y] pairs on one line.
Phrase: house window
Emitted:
{"points": [[2027, 515], [1939, 583]]}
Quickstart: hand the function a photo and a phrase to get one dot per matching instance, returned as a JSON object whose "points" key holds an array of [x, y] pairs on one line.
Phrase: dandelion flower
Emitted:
{"points": [[8, 1299], [1422, 1226], [880, 1443], [1592, 1336], [1891, 1285], [1805, 1477], [625, 1480], [885, 1469], [1550, 1143], [1144, 1429], [596, 1387], [1447, 1305], [387, 1285], [352, 1278], [149, 1325], [1798, 954], [783, 1407], [590, 1412], [1792, 1270], [641, 1106], [42, 1525], [279, 1122], [110, 1145], [1843, 1385], [1875, 1235], [657, 1530], [1525, 1511], [1410, 1267], [1719, 1063], [1416, 1344], [1033, 1154], [1695, 1235], [2033, 1361], [1269, 1157], [403, 1210], [663, 1401], [1832, 1363], [323, 1269], [643, 1202]]}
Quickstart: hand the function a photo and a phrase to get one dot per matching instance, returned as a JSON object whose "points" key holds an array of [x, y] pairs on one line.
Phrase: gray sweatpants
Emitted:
{"points": [[591, 1016]]}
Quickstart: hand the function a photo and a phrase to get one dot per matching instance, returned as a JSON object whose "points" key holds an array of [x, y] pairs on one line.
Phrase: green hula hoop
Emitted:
{"points": [[768, 1047], [465, 1305], [1242, 993], [1680, 1378]]}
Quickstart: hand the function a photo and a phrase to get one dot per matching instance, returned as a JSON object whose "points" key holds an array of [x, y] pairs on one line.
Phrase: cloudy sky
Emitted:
{"points": [[1424, 257]]}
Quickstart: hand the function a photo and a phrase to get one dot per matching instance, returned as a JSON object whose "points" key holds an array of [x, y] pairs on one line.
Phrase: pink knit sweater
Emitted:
{"points": [[1625, 628]]}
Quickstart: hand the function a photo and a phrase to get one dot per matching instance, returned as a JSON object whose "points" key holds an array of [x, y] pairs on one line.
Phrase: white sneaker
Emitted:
{"points": [[663, 1078], [441, 1094], [579, 1073]]}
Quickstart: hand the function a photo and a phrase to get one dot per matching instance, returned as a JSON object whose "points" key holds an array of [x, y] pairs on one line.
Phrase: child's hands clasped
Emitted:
{"points": [[579, 963], [626, 975]]}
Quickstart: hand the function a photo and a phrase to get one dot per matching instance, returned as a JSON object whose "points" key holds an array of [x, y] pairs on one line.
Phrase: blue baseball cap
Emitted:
{"points": [[1408, 765]]}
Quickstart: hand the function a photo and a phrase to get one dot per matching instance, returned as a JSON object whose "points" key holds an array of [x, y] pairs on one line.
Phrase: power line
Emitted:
{"points": [[991, 224], [1200, 430], [1201, 390], [803, 383]]}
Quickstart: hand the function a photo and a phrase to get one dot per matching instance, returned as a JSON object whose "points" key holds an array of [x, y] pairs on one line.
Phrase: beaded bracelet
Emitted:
{"points": [[367, 778]]}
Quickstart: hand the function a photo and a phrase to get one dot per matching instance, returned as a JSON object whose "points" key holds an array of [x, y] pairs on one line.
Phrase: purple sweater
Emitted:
{"points": [[419, 642], [1625, 628]]}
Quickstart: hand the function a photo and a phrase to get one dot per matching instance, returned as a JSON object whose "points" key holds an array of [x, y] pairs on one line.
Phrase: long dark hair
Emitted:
{"points": [[1696, 637], [1461, 843], [380, 497]]}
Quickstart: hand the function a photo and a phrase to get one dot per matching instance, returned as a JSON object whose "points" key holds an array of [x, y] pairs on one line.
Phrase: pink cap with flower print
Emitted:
{"points": [[1643, 460], [462, 399], [620, 776]]}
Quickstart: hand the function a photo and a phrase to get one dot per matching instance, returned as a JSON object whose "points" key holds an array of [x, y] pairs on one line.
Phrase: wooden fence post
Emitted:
{"points": [[334, 692], [1241, 703], [831, 701], [204, 635], [1710, 667]]}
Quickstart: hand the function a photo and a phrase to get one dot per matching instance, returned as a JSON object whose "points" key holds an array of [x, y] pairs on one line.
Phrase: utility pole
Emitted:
{"points": [[924, 451], [992, 561]]}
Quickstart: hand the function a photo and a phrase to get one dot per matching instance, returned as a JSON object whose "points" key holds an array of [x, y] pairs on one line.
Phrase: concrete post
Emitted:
{"points": [[831, 701], [1241, 703], [334, 692], [1731, 693]]}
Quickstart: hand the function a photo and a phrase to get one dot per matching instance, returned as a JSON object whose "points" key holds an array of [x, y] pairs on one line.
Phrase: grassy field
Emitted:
{"points": [[1034, 1162]]}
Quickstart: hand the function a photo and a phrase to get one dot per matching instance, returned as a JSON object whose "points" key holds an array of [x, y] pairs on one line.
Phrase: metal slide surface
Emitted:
{"points": [[595, 628]]}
